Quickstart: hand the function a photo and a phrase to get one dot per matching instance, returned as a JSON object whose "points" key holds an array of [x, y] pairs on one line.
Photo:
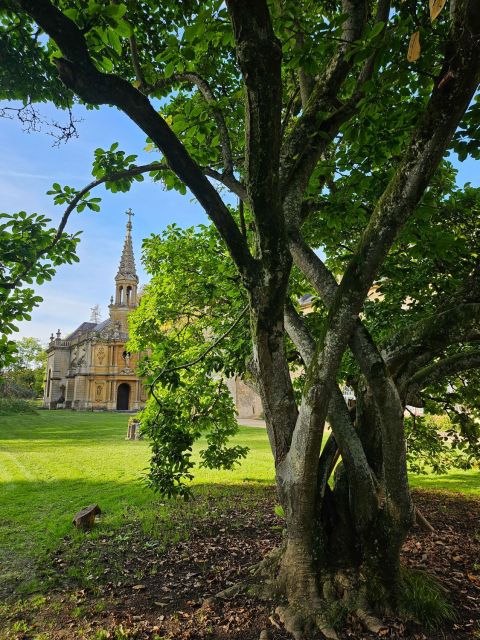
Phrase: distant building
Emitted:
{"points": [[90, 368]]}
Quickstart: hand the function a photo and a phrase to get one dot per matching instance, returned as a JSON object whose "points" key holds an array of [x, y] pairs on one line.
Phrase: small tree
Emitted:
{"points": [[281, 103]]}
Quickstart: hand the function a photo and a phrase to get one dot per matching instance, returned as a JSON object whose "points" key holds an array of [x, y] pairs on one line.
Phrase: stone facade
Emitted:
{"points": [[90, 369]]}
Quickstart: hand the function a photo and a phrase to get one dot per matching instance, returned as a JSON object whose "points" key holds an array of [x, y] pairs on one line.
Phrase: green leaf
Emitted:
{"points": [[376, 30], [123, 28], [169, 69]]}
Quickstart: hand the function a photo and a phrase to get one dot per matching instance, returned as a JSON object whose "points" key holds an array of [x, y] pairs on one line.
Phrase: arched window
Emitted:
{"points": [[129, 294], [120, 295]]}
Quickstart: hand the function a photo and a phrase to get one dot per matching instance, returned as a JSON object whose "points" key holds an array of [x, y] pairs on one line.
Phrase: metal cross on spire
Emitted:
{"points": [[129, 213]]}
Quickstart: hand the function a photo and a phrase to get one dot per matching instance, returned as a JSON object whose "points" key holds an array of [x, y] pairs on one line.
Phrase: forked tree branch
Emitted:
{"points": [[309, 137], [446, 106], [228, 181], [360, 475], [420, 160], [365, 352]]}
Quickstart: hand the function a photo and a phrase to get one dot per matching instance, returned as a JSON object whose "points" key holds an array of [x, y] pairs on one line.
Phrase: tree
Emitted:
{"points": [[30, 354], [25, 375], [29, 251], [284, 104]]}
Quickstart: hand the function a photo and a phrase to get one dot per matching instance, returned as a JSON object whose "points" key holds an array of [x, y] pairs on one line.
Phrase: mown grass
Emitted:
{"points": [[54, 463], [467, 482]]}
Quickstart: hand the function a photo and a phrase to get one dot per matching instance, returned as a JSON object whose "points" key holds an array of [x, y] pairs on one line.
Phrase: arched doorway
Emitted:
{"points": [[123, 395]]}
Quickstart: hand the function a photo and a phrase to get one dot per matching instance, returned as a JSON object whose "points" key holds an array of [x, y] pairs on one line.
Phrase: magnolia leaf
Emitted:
{"points": [[414, 48], [435, 8]]}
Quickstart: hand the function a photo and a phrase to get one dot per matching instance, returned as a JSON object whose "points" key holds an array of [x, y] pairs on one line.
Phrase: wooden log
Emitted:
{"points": [[85, 518]]}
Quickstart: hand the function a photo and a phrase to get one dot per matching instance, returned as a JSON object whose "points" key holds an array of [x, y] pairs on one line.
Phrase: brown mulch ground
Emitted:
{"points": [[149, 593]]}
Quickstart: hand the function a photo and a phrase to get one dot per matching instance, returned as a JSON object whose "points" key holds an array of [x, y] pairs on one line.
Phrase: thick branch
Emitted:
{"points": [[431, 336], [259, 57], [369, 359], [361, 479], [347, 439], [445, 367], [78, 73], [299, 333]]}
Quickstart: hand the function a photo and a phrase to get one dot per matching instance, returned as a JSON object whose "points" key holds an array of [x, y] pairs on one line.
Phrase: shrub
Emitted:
{"points": [[11, 406], [424, 601]]}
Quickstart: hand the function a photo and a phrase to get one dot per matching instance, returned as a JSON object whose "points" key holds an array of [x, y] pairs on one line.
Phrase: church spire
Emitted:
{"points": [[126, 270], [126, 280]]}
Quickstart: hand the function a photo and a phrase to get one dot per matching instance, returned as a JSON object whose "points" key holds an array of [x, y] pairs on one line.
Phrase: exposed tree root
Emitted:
{"points": [[338, 594], [268, 566], [422, 521], [371, 623], [234, 590], [302, 624]]}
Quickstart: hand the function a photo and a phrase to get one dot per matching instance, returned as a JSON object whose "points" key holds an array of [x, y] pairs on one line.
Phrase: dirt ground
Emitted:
{"points": [[147, 592]]}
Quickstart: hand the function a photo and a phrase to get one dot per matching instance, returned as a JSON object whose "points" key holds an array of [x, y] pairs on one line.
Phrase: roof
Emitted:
{"points": [[103, 325], [85, 327]]}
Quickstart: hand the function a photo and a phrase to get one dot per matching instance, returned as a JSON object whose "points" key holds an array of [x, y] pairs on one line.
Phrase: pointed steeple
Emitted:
{"points": [[126, 270], [126, 280]]}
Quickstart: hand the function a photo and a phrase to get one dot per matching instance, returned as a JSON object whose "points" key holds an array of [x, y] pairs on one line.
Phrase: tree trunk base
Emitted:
{"points": [[322, 605]]}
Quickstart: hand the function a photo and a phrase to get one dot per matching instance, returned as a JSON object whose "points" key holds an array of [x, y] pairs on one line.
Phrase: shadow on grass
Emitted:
{"points": [[37, 518]]}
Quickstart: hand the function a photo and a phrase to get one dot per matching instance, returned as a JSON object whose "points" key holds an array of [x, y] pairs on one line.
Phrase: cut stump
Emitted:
{"points": [[85, 519]]}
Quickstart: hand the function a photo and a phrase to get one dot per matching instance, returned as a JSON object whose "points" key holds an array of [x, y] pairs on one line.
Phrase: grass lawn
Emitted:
{"points": [[54, 463]]}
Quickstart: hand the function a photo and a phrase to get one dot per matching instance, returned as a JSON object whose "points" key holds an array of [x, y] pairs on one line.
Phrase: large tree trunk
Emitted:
{"points": [[343, 538]]}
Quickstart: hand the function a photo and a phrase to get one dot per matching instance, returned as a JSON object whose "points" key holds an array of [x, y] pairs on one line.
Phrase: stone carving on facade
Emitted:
{"points": [[101, 354], [116, 331]]}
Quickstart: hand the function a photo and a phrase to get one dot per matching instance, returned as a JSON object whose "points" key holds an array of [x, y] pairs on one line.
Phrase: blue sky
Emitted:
{"points": [[30, 164]]}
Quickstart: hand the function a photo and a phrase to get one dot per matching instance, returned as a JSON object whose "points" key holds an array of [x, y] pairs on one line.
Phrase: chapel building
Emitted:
{"points": [[91, 369]]}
